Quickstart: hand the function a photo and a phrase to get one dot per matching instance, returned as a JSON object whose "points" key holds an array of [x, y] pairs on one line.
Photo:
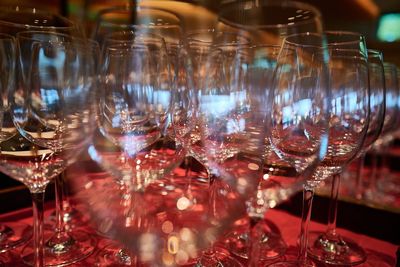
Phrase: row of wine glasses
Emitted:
{"points": [[370, 183], [254, 92], [326, 114]]}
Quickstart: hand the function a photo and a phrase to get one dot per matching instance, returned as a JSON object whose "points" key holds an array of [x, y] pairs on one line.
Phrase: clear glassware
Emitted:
{"points": [[53, 124], [12, 21], [12, 234], [388, 185], [202, 45], [133, 114], [380, 147], [377, 117], [301, 112], [144, 21], [272, 245], [267, 23], [349, 122]]}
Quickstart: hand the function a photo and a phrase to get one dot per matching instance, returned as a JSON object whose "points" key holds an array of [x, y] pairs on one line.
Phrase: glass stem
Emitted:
{"points": [[254, 242], [308, 196], [384, 168], [374, 171], [188, 165], [332, 216], [359, 188], [38, 238], [61, 241], [59, 195]]}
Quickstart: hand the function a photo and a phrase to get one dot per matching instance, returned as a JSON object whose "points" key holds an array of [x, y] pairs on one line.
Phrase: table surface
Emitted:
{"points": [[380, 253]]}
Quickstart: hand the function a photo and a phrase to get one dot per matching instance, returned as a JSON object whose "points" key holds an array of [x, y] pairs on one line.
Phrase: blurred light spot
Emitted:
{"points": [[210, 235], [192, 250], [186, 234], [168, 259], [253, 166], [182, 203], [181, 257], [128, 222], [266, 176], [167, 227], [147, 247], [88, 185], [242, 182], [173, 244], [170, 187], [272, 203]]}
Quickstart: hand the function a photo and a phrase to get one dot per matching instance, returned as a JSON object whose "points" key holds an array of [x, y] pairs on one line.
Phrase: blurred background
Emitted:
{"points": [[378, 20]]}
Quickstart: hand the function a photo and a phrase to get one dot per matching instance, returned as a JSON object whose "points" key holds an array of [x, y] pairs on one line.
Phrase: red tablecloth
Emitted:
{"points": [[380, 253]]}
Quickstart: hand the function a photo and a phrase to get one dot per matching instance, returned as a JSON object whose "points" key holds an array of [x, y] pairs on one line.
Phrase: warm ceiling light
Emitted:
{"points": [[370, 7]]}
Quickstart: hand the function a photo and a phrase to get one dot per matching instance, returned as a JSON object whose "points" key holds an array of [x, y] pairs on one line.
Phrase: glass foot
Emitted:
{"points": [[217, 257], [14, 234], [116, 256], [292, 264], [336, 251], [72, 218], [76, 246], [272, 245]]}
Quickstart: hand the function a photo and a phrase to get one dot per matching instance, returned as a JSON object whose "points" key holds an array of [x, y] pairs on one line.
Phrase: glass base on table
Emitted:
{"points": [[78, 245], [272, 245], [13, 234], [336, 250]]}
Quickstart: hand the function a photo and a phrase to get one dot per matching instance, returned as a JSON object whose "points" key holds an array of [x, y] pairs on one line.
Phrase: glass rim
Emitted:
{"points": [[322, 36], [30, 10], [129, 7], [360, 36], [213, 32], [75, 41], [128, 33], [288, 3], [374, 53]]}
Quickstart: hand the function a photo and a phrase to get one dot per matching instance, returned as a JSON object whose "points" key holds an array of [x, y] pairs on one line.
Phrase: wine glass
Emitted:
{"points": [[134, 104], [272, 245], [12, 234], [378, 173], [348, 119], [267, 23], [221, 102], [16, 19], [350, 116], [388, 184], [145, 21], [12, 21], [203, 45], [139, 18], [299, 121], [51, 111], [377, 109]]}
